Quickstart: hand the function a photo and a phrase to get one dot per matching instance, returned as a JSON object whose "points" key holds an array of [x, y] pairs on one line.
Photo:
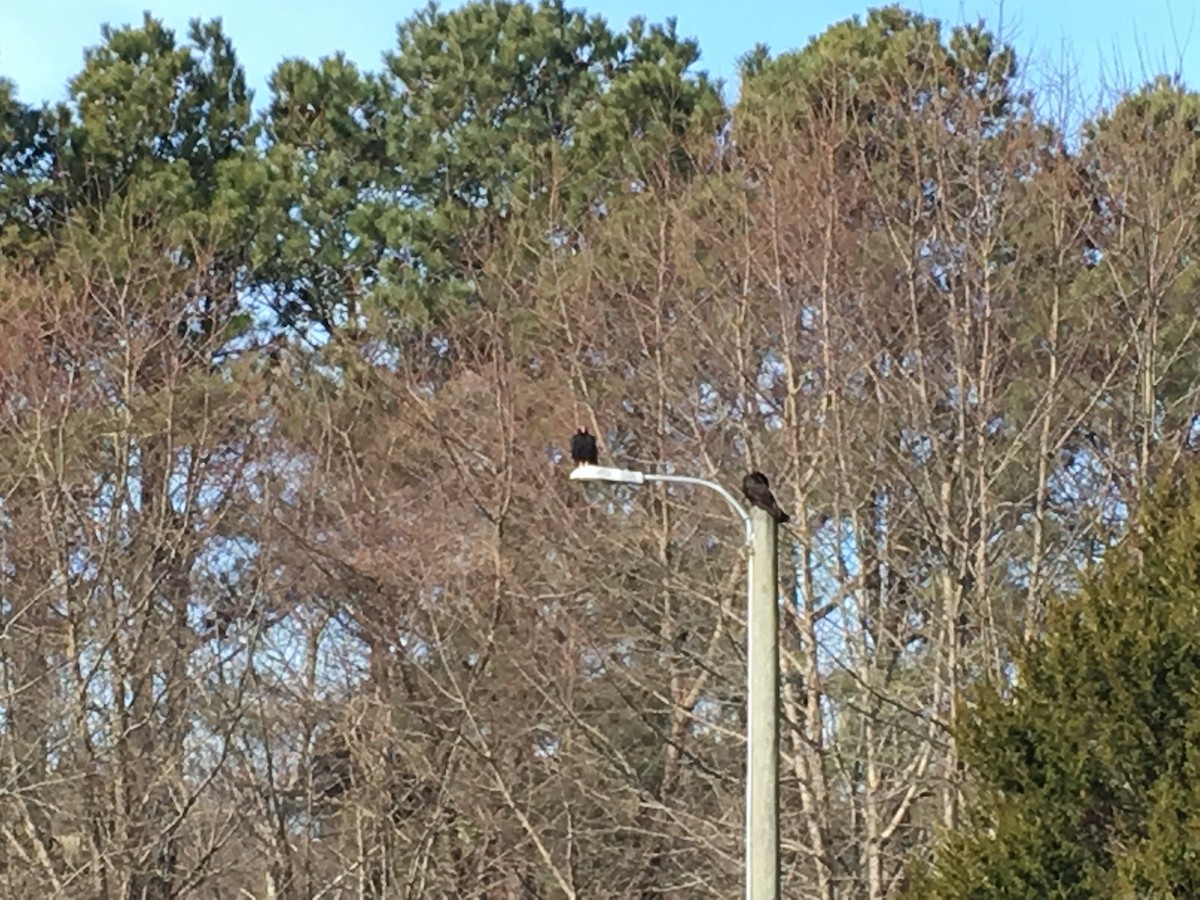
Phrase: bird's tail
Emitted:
{"points": [[778, 514]]}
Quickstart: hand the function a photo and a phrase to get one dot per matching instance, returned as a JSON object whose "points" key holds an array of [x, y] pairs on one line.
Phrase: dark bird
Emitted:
{"points": [[583, 447], [757, 490]]}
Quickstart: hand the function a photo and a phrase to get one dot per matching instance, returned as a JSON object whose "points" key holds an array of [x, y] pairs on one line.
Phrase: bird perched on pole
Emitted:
{"points": [[757, 490], [583, 448]]}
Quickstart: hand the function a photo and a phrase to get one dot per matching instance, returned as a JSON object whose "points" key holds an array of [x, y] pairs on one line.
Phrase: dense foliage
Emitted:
{"points": [[1086, 771], [298, 601]]}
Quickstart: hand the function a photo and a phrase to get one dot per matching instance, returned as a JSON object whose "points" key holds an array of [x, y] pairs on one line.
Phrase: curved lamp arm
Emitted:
{"points": [[729, 498], [628, 476]]}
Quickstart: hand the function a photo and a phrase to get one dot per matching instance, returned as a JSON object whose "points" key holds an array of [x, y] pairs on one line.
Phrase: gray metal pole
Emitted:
{"points": [[762, 712], [762, 678]]}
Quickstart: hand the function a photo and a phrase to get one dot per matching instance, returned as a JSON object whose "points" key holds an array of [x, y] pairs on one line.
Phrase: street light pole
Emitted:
{"points": [[762, 712], [762, 678]]}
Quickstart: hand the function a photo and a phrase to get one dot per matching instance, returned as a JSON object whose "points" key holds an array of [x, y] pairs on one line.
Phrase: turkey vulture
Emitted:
{"points": [[757, 490], [583, 447]]}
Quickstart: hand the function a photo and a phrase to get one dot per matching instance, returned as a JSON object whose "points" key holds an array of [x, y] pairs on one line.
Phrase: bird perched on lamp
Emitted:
{"points": [[583, 448], [757, 490]]}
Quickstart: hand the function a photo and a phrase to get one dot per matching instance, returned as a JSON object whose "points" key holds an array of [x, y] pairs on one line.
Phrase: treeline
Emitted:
{"points": [[298, 600]]}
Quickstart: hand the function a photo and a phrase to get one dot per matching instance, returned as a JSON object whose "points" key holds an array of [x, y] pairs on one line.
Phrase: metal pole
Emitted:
{"points": [[762, 711], [762, 678]]}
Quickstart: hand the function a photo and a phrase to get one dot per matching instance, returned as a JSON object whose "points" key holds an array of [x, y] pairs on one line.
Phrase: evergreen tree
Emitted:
{"points": [[1087, 770], [498, 129]]}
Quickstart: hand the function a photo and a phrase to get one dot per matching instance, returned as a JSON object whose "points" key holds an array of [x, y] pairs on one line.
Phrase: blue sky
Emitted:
{"points": [[1104, 41]]}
